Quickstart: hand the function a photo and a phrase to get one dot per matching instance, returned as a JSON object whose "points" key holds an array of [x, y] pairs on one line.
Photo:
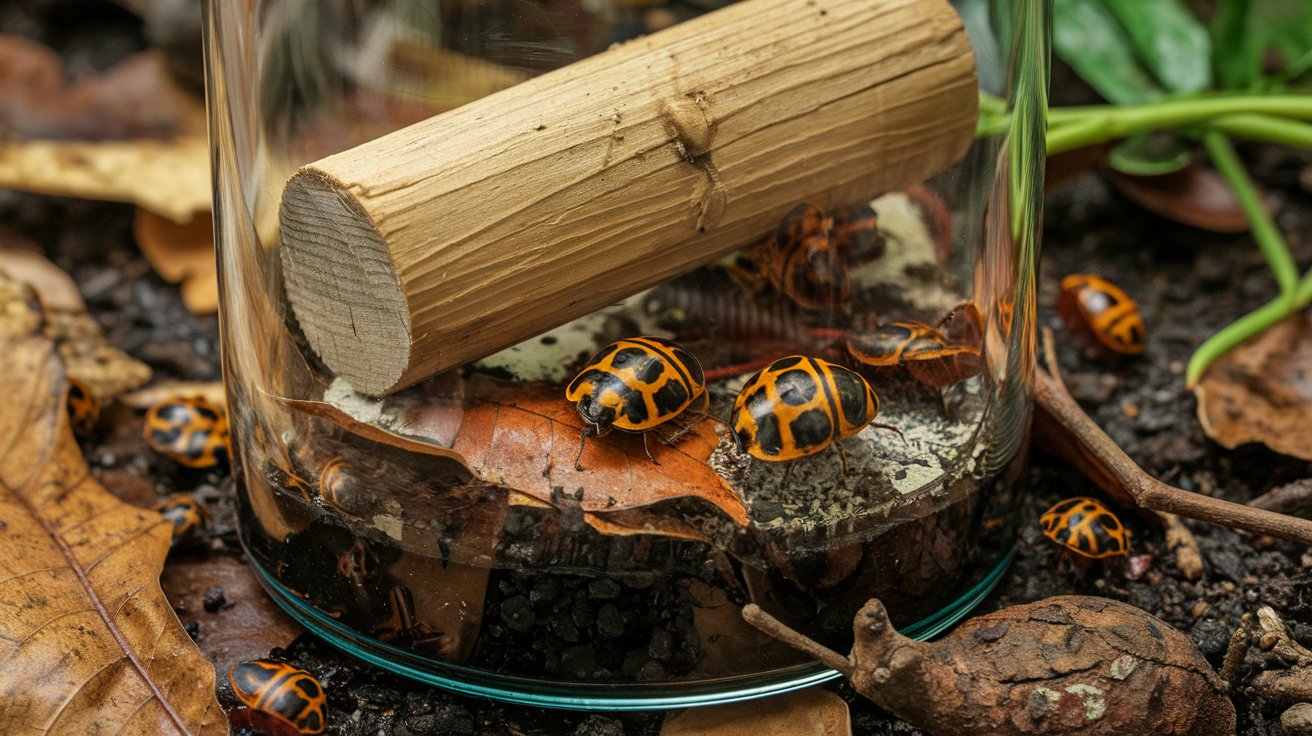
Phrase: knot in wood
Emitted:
{"points": [[691, 123]]}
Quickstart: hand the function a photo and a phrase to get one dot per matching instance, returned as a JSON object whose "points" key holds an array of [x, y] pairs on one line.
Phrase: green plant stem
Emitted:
{"points": [[1076, 127], [1238, 332], [1265, 232], [1267, 128], [1295, 293]]}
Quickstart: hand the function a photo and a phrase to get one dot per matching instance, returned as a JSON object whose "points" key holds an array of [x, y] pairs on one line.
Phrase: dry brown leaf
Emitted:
{"points": [[526, 438], [181, 253], [87, 639], [88, 356], [811, 712], [211, 391], [246, 625], [1195, 195], [56, 288], [169, 177], [370, 431], [1262, 391], [634, 522], [135, 99]]}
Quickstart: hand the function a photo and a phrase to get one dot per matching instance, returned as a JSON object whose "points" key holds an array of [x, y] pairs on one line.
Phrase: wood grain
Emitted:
{"points": [[478, 228]]}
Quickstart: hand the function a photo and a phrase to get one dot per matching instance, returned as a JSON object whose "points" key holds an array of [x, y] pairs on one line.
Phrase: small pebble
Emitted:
{"points": [[1297, 721], [213, 599], [1130, 411], [518, 614], [1199, 609]]}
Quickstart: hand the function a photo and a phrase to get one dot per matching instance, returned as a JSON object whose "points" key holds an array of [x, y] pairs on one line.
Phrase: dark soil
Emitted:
{"points": [[1189, 284]]}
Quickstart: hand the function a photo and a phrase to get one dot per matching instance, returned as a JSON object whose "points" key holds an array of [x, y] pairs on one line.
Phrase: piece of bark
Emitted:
{"points": [[1069, 664]]}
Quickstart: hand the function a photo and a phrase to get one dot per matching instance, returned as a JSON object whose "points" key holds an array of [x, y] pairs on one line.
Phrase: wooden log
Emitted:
{"points": [[478, 228]]}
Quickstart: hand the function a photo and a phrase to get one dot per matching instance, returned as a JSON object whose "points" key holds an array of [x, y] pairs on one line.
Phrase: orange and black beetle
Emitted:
{"points": [[635, 385], [187, 515], [83, 408], [806, 258], [1086, 527], [191, 431], [798, 406], [936, 357], [1094, 307], [283, 691]]}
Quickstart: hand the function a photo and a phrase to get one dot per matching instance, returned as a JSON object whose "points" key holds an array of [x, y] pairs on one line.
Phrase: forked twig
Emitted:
{"points": [[753, 614], [1063, 429]]}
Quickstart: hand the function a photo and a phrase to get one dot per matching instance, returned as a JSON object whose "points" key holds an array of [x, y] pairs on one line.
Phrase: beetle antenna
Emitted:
{"points": [[582, 435], [891, 428]]}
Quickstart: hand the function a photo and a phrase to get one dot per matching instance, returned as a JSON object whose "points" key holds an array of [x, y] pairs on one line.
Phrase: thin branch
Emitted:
{"points": [[1071, 434], [753, 614]]}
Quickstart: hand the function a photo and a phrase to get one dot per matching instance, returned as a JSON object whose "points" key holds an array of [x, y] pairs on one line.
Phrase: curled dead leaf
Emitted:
{"points": [[56, 288], [88, 356], [1195, 195], [86, 635], [181, 253], [135, 99], [524, 438], [211, 391], [1262, 391]]}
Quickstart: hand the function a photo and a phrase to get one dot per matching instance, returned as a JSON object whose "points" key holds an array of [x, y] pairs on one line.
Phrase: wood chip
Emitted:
{"points": [[810, 712]]}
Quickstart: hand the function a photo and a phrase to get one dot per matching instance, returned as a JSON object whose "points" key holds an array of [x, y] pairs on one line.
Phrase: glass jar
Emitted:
{"points": [[368, 519]]}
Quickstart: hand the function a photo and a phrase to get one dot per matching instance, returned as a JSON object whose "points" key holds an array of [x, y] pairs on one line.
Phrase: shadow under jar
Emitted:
{"points": [[444, 532]]}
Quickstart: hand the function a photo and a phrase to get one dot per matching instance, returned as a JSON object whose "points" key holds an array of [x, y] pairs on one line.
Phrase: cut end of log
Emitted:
{"points": [[350, 308]]}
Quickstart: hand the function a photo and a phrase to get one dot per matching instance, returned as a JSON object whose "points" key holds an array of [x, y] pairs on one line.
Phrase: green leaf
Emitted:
{"points": [[1149, 154], [1231, 45], [1170, 40], [1087, 36], [1244, 32]]}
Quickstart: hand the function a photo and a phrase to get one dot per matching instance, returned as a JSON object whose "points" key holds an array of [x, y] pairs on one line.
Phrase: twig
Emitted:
{"points": [[1065, 430], [1294, 499], [753, 614]]}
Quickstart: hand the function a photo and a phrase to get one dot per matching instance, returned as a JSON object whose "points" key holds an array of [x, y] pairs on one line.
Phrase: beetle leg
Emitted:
{"points": [[842, 455], [685, 428], [648, 450], [892, 429], [788, 470]]}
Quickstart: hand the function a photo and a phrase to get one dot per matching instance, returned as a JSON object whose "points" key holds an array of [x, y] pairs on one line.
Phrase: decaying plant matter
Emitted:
{"points": [[1068, 665], [1264, 643]]}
